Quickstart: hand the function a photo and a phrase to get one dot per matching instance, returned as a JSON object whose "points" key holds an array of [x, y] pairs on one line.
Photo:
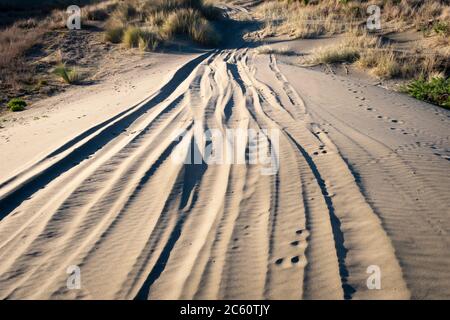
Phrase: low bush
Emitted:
{"points": [[16, 104], [435, 90]]}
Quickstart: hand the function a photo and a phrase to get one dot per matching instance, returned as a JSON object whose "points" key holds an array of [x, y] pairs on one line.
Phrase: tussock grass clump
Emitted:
{"points": [[16, 104], [386, 65], [135, 37], [68, 75], [166, 19], [131, 37], [334, 54], [435, 90], [191, 23], [270, 50], [114, 34]]}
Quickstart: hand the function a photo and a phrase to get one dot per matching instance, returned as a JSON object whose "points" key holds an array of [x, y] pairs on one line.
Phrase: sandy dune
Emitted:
{"points": [[363, 180]]}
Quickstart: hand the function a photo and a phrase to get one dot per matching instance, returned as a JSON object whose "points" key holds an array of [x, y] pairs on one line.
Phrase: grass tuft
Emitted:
{"points": [[114, 34], [191, 23], [286, 51], [135, 37], [334, 54], [68, 75]]}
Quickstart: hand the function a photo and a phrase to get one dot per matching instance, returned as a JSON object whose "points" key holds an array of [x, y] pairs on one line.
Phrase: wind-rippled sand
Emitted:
{"points": [[363, 180]]}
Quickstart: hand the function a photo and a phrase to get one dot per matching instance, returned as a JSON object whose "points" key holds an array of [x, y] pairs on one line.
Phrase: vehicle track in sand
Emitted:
{"points": [[141, 226]]}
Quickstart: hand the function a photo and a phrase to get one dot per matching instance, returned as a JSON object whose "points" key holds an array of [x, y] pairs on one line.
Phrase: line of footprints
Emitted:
{"points": [[368, 108], [295, 260]]}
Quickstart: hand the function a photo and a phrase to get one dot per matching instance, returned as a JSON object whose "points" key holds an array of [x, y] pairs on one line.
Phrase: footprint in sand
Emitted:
{"points": [[295, 259], [316, 153], [295, 243]]}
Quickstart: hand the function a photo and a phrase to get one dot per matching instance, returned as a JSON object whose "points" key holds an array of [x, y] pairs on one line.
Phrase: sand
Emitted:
{"points": [[362, 181]]}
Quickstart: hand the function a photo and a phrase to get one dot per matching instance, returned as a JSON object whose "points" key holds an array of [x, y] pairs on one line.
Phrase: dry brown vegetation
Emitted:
{"points": [[142, 24], [24, 41], [164, 20], [427, 20]]}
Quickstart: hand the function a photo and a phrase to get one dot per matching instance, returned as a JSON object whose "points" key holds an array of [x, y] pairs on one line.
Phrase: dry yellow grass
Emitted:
{"points": [[300, 20], [166, 18], [368, 52], [317, 18]]}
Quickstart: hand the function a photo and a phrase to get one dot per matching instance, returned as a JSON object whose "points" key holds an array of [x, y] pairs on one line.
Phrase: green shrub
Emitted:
{"points": [[442, 28], [16, 104], [435, 90]]}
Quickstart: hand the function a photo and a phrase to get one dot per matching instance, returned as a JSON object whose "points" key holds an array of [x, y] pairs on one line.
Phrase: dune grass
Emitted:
{"points": [[167, 19], [334, 54], [114, 34], [310, 18], [135, 37], [191, 23], [67, 74], [266, 49]]}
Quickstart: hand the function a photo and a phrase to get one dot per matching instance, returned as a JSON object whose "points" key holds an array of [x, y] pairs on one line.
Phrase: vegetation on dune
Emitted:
{"points": [[114, 34], [435, 90], [142, 24], [266, 49], [68, 75], [16, 104], [335, 54], [134, 37], [372, 51], [191, 23], [166, 19]]}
